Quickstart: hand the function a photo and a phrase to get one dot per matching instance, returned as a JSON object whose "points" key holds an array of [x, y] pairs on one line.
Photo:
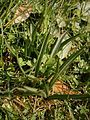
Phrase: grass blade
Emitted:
{"points": [[64, 97], [10, 48], [65, 65], [70, 110], [27, 91], [57, 45], [41, 53], [68, 40], [20, 65]]}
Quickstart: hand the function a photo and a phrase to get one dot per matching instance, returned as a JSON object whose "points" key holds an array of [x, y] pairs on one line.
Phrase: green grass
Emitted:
{"points": [[36, 53]]}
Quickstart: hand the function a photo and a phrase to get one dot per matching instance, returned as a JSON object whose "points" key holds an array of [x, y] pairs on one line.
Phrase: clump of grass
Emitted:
{"points": [[51, 44]]}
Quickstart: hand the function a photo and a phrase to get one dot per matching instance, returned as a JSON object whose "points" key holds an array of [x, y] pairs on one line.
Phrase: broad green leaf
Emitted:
{"points": [[21, 62]]}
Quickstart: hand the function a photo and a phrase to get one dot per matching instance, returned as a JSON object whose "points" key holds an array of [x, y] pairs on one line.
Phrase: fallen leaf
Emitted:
{"points": [[60, 87], [22, 13]]}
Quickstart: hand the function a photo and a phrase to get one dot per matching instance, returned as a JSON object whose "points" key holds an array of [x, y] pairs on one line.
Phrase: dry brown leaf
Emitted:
{"points": [[22, 13], [60, 87]]}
